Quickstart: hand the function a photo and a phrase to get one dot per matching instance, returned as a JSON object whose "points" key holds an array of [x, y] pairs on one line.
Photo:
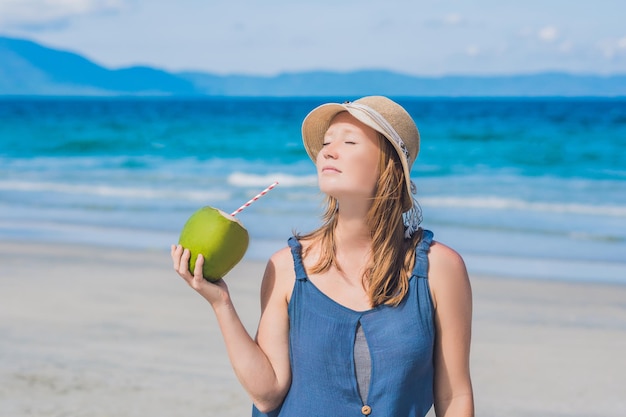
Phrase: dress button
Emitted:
{"points": [[366, 410]]}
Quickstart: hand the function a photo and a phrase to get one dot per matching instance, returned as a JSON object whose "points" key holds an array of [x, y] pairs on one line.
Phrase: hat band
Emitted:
{"points": [[380, 120]]}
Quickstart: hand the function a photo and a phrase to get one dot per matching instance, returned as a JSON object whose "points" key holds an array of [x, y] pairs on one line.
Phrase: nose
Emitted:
{"points": [[329, 151]]}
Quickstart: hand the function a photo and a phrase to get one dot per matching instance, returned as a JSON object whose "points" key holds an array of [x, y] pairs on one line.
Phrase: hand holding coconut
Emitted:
{"points": [[213, 292], [211, 243]]}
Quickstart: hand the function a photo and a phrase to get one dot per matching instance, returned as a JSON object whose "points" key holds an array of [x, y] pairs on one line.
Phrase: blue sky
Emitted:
{"points": [[267, 37]]}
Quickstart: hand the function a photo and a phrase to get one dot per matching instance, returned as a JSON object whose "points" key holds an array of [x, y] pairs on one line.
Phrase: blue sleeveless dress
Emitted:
{"points": [[321, 342]]}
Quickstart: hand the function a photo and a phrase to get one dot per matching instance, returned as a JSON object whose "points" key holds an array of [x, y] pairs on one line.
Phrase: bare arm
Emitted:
{"points": [[452, 296], [261, 365]]}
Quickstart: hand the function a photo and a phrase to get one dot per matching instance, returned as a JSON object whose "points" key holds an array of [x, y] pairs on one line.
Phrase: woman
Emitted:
{"points": [[366, 315]]}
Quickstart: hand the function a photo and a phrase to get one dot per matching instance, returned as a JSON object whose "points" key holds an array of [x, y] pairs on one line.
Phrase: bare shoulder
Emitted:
{"points": [[279, 275], [442, 256], [282, 259], [447, 273]]}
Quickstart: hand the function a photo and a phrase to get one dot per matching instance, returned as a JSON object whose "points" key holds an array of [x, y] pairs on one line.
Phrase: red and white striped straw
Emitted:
{"points": [[253, 199]]}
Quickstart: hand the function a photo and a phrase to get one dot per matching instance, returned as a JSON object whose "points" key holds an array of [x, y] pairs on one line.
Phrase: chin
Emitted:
{"points": [[331, 188], [340, 193]]}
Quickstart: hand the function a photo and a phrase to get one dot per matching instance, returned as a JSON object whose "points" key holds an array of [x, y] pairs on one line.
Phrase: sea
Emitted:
{"points": [[520, 187]]}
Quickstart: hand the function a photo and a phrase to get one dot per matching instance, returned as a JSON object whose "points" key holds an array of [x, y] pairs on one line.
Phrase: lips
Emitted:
{"points": [[330, 169]]}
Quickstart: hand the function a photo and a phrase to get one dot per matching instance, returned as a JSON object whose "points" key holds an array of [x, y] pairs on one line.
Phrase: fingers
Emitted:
{"points": [[180, 260], [213, 292], [183, 267], [197, 269], [175, 252]]}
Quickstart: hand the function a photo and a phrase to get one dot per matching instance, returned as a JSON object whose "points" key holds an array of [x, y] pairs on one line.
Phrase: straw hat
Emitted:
{"points": [[381, 114]]}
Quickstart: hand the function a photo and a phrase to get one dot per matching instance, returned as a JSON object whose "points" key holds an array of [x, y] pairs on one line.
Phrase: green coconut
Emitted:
{"points": [[219, 237]]}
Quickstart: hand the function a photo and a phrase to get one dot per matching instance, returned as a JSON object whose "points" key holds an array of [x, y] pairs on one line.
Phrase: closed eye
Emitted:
{"points": [[348, 142]]}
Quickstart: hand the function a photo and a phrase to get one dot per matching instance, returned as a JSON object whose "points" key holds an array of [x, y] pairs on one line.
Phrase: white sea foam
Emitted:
{"points": [[498, 203], [111, 191], [241, 179]]}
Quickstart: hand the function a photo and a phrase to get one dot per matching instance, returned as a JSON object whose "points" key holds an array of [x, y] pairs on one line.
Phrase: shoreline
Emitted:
{"points": [[573, 268], [96, 330]]}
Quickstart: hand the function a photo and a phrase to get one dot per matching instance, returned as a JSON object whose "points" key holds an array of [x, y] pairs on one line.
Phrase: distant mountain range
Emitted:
{"points": [[28, 68]]}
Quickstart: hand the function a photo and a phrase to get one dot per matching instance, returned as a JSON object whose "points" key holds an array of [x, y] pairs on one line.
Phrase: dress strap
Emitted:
{"points": [[296, 253], [421, 254]]}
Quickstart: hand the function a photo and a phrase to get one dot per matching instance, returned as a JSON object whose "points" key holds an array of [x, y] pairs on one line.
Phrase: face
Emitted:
{"points": [[347, 165]]}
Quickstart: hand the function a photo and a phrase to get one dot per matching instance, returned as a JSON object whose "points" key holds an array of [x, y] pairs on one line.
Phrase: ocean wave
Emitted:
{"points": [[241, 179], [498, 203], [111, 191]]}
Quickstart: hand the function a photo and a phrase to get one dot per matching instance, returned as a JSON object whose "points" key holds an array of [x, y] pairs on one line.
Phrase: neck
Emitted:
{"points": [[352, 230]]}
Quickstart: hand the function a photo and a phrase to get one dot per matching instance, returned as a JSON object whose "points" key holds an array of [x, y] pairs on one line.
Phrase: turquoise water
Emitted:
{"points": [[531, 187]]}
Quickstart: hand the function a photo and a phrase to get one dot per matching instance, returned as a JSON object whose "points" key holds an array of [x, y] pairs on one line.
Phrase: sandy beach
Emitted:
{"points": [[90, 331]]}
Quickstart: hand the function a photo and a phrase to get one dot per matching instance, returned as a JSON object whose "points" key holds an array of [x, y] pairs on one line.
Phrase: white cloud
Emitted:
{"points": [[472, 50], [611, 48], [548, 33], [452, 19], [445, 20], [43, 13]]}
